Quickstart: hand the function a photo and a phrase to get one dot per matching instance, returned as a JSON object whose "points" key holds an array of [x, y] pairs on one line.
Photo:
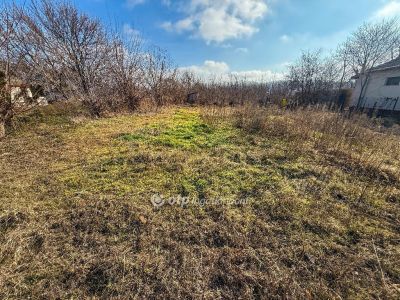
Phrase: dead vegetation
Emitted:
{"points": [[322, 189], [321, 221], [63, 54]]}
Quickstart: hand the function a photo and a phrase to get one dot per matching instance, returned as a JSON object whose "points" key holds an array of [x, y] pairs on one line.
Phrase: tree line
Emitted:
{"points": [[315, 77], [70, 55], [66, 54]]}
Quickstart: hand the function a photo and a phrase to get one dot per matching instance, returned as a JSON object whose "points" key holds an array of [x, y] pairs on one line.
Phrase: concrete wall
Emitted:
{"points": [[18, 97], [377, 91]]}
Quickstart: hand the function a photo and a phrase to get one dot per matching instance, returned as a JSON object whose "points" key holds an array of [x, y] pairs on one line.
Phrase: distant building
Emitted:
{"points": [[382, 89]]}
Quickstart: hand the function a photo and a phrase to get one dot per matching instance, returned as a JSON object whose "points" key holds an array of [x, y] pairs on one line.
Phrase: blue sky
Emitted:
{"points": [[254, 36]]}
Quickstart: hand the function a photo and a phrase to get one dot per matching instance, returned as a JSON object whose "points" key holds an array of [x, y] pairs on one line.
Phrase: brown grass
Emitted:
{"points": [[322, 218]]}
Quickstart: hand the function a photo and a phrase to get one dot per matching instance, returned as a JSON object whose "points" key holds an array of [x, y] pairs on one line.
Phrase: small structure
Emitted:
{"points": [[192, 98], [21, 95], [381, 91]]}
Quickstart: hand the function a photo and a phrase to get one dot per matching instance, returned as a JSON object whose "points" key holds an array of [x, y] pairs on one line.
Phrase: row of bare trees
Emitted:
{"points": [[314, 78], [369, 46], [235, 91], [69, 55], [72, 56]]}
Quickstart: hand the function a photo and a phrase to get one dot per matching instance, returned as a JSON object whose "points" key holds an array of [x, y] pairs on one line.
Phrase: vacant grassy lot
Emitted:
{"points": [[321, 217]]}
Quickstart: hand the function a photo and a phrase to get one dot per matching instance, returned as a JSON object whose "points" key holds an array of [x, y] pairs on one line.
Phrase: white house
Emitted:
{"points": [[381, 88]]}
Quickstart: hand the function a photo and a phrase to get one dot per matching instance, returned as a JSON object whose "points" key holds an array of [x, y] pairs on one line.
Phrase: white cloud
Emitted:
{"points": [[180, 26], [390, 9], [220, 20], [259, 75], [210, 70], [168, 26], [130, 32], [285, 39], [133, 3]]}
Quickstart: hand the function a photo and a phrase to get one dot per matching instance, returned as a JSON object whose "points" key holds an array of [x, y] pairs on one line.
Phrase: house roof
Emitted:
{"points": [[395, 63]]}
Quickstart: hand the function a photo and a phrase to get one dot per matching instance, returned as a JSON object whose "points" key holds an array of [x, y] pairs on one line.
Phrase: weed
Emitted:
{"points": [[321, 219]]}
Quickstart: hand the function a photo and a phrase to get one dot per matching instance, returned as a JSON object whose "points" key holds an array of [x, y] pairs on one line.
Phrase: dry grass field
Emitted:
{"points": [[309, 205]]}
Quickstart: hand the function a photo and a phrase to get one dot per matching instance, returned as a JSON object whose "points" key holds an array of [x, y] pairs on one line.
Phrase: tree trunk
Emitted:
{"points": [[363, 90], [2, 129]]}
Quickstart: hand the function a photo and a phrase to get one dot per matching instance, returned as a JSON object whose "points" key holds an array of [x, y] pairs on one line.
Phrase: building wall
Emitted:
{"points": [[377, 91]]}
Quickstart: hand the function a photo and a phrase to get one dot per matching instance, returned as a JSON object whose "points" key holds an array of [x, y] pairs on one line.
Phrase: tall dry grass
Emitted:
{"points": [[361, 146], [352, 135], [299, 237]]}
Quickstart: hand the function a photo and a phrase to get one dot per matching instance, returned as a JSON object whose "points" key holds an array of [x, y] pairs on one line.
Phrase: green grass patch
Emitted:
{"points": [[185, 130]]}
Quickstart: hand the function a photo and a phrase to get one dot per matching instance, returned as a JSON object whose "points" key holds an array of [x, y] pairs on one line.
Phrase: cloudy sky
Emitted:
{"points": [[251, 37]]}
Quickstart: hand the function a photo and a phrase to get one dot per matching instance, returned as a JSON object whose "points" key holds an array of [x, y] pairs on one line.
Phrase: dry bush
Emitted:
{"points": [[313, 79], [72, 56], [68, 49], [355, 139], [123, 88], [13, 69]]}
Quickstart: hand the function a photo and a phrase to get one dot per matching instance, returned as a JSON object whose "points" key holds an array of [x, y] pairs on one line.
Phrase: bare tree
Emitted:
{"points": [[342, 56], [12, 67], [72, 56], [370, 45], [314, 78], [7, 32], [125, 71], [158, 74], [67, 48]]}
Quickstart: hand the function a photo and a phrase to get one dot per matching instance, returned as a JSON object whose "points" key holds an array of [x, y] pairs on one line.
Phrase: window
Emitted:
{"points": [[393, 81]]}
